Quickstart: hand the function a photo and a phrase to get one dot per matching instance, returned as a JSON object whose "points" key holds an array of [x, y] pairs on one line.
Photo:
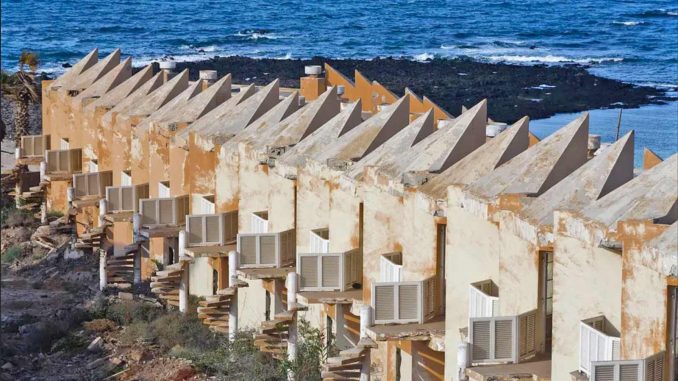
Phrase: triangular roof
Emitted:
{"points": [[94, 73], [244, 113], [262, 127], [482, 161], [652, 195], [108, 82], [80, 67], [190, 93], [605, 172], [201, 103], [650, 159], [116, 95], [217, 115], [370, 134], [316, 143], [162, 95], [395, 146], [306, 120], [541, 166], [133, 99]]}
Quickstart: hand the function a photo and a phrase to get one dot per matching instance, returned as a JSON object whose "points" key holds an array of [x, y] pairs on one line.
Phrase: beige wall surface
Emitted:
{"points": [[200, 277]]}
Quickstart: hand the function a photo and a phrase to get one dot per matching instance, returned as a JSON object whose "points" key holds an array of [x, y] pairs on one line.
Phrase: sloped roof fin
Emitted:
{"points": [[108, 82], [117, 94], [80, 67], [91, 75]]}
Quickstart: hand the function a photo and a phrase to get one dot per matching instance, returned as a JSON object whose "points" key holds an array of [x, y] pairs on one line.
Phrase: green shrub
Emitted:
{"points": [[139, 331], [69, 343], [11, 254], [129, 311], [312, 352], [184, 330], [10, 216], [54, 214]]}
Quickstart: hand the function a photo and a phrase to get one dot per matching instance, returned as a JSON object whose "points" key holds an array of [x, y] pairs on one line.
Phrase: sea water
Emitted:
{"points": [[635, 42]]}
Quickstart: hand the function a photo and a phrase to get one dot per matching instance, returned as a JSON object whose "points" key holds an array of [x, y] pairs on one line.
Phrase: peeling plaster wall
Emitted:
{"points": [[122, 147], [282, 203], [200, 277], [196, 172], [140, 158], [122, 236], [518, 275], [158, 161], [56, 196], [313, 198], [644, 319], [87, 216], [251, 309], [254, 189], [586, 284], [227, 181], [473, 247], [315, 316]]}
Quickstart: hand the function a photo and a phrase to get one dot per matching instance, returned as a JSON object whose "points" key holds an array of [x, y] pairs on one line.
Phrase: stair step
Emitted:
{"points": [[169, 297], [222, 303], [166, 278], [174, 267], [230, 291], [217, 298], [335, 367], [216, 323], [212, 310], [341, 375], [168, 273]]}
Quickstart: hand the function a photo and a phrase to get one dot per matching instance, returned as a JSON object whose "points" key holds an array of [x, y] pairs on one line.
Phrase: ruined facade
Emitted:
{"points": [[427, 245]]}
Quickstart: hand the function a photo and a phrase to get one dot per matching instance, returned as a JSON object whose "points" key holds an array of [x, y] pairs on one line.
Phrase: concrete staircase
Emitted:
{"points": [[273, 334], [91, 239], [120, 271], [214, 310], [346, 366], [165, 283]]}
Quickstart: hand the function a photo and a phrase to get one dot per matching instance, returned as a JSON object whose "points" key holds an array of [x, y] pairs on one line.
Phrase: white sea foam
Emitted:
{"points": [[628, 23], [552, 59], [423, 57]]}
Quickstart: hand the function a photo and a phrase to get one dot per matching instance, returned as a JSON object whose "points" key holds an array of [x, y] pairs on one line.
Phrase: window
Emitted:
{"points": [[547, 294], [64, 144]]}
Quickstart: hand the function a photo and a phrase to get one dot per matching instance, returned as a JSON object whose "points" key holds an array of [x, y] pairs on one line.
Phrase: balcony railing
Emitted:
{"points": [[319, 241], [267, 249], [68, 160], [92, 184], [404, 302], [329, 271], [503, 339], [596, 343], [259, 222], [648, 369], [125, 198], [34, 145], [483, 300], [391, 267], [163, 211], [211, 229]]}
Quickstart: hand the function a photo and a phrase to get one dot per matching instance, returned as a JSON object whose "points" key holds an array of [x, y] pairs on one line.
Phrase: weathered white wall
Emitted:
{"points": [[200, 277], [252, 305], [586, 284]]}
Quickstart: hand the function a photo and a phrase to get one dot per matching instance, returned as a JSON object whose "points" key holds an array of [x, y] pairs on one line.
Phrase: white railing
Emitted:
{"points": [[502, 339], [267, 249], [329, 271], [125, 198], [259, 222], [404, 302], [163, 189], [211, 229], [319, 241], [34, 145], [92, 183], [648, 369], [205, 205], [125, 178], [163, 211], [482, 299], [595, 344], [390, 267]]}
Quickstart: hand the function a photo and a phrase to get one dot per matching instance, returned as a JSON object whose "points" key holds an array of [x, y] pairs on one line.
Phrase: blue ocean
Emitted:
{"points": [[632, 41]]}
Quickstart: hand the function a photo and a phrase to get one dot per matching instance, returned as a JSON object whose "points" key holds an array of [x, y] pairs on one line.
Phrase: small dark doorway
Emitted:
{"points": [[546, 284]]}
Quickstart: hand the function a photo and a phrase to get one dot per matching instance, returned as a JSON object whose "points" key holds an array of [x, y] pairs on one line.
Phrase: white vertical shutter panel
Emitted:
{"points": [[384, 299], [408, 301], [308, 268], [247, 246], [127, 200], [330, 271], [267, 249], [480, 340]]}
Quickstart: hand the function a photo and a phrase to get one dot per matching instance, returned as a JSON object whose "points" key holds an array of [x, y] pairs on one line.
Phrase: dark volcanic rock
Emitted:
{"points": [[512, 90]]}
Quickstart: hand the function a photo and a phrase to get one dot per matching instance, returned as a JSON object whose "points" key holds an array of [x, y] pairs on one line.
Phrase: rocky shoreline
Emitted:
{"points": [[512, 90]]}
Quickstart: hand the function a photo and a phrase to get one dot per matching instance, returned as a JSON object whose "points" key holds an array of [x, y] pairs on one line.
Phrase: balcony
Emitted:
{"points": [[329, 271], [267, 249], [163, 211], [503, 339], [92, 185], [211, 229], [391, 267], [648, 369], [319, 241], [125, 198], [64, 161], [34, 146], [598, 341], [404, 302], [483, 299]]}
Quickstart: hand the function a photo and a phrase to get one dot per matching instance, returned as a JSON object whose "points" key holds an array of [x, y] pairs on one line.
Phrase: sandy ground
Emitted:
{"points": [[7, 159]]}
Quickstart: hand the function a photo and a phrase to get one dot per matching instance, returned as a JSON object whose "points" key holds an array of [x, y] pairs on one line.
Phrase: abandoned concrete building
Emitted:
{"points": [[426, 245]]}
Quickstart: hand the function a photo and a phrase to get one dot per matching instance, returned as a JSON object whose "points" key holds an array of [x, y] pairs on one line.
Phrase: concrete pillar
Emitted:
{"points": [[17, 153], [70, 196], [365, 322], [182, 244], [232, 280], [167, 68], [17, 192], [103, 277], [136, 227], [43, 213], [43, 170], [183, 289], [103, 209], [292, 337]]}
